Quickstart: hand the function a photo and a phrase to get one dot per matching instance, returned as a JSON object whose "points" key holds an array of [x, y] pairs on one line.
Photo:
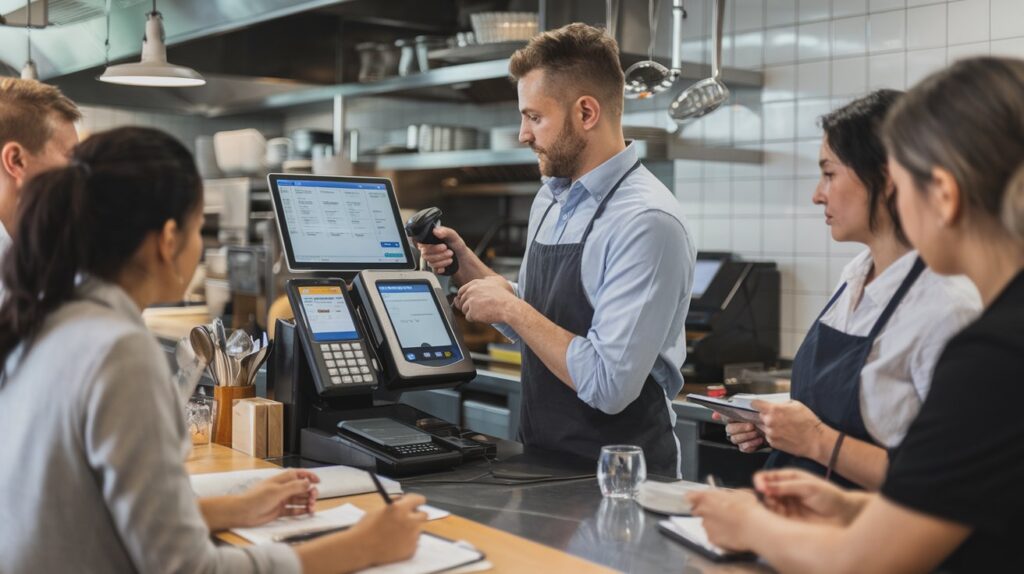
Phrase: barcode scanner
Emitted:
{"points": [[420, 228]]}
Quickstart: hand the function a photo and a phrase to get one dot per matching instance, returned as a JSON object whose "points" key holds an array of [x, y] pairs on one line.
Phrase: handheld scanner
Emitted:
{"points": [[420, 228]]}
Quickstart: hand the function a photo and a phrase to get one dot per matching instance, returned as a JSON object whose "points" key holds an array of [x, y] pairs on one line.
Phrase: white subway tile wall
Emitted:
{"points": [[817, 55]]}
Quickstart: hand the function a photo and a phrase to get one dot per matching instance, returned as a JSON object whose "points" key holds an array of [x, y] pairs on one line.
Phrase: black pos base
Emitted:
{"points": [[311, 421]]}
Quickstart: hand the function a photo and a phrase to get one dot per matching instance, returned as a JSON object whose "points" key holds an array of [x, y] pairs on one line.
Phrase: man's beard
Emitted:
{"points": [[562, 158]]}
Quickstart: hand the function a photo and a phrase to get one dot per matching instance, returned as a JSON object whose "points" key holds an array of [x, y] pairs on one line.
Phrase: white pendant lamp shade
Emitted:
{"points": [[29, 72], [153, 70]]}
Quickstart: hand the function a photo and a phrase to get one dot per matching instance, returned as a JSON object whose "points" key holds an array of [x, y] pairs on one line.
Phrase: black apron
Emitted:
{"points": [[552, 416], [826, 377]]}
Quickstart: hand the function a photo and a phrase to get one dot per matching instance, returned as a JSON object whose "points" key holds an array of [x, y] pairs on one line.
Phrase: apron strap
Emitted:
{"points": [[908, 282], [541, 224], [832, 301], [604, 202]]}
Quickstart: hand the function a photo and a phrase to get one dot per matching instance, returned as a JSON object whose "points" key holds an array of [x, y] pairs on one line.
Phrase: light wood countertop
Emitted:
{"points": [[507, 552]]}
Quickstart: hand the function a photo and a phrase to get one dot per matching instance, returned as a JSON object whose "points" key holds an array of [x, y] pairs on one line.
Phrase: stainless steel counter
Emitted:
{"points": [[569, 515]]}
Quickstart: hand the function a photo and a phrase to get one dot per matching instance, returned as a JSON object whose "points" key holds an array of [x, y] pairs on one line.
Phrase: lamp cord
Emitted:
{"points": [[106, 42], [28, 28]]}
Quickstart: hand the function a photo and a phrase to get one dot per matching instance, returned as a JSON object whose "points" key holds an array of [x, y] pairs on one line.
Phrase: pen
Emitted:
{"points": [[380, 487], [304, 536]]}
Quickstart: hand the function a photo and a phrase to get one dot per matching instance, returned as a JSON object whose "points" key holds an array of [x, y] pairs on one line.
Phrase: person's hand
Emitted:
{"points": [[289, 493], [487, 300], [726, 515], [440, 256], [793, 428], [747, 436], [801, 495], [391, 533]]}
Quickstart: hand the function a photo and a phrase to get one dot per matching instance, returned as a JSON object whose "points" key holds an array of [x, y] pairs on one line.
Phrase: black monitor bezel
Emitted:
{"points": [[282, 225]]}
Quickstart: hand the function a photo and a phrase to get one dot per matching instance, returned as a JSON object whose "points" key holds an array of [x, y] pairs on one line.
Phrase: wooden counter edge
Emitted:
{"points": [[507, 552]]}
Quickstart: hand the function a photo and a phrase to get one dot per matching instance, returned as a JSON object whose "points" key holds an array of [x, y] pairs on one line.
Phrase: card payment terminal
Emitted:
{"points": [[332, 339]]}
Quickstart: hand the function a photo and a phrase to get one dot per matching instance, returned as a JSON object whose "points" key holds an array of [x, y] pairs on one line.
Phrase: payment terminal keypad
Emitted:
{"points": [[346, 363]]}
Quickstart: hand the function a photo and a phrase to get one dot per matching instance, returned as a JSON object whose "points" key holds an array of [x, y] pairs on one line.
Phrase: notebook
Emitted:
{"points": [[335, 481], [337, 517], [690, 531], [433, 554]]}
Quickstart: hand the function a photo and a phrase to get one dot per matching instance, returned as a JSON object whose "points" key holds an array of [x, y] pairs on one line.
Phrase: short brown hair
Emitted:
{"points": [[583, 60], [26, 108]]}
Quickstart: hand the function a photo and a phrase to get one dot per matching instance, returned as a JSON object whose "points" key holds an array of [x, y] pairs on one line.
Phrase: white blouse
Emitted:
{"points": [[898, 372]]}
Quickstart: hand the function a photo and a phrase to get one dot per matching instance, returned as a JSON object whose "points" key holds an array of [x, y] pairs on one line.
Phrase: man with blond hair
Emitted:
{"points": [[37, 133], [605, 284]]}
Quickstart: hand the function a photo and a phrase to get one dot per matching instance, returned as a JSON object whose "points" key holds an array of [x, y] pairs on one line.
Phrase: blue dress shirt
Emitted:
{"points": [[637, 272]]}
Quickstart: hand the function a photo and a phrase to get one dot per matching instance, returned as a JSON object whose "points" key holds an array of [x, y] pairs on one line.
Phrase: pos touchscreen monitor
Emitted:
{"points": [[339, 223]]}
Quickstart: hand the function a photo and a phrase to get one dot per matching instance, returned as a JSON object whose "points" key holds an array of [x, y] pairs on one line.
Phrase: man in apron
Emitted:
{"points": [[605, 284]]}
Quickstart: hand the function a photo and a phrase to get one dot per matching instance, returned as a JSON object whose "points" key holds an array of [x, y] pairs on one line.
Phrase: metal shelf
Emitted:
{"points": [[667, 148], [476, 81]]}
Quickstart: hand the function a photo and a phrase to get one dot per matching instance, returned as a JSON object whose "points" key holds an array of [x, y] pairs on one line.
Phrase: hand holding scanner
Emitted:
{"points": [[420, 228]]}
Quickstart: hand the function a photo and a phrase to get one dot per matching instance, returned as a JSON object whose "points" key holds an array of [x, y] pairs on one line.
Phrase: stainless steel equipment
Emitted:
{"points": [[705, 96]]}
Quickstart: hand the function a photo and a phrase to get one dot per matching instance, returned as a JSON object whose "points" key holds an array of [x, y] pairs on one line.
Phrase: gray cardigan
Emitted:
{"points": [[92, 439]]}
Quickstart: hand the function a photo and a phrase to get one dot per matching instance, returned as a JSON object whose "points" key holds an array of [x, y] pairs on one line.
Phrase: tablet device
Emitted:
{"points": [[735, 409]]}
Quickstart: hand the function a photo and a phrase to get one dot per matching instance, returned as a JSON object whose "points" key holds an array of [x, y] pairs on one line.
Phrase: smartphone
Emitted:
{"points": [[735, 409]]}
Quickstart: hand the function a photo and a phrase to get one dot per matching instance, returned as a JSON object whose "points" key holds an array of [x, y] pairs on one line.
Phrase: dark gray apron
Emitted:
{"points": [[552, 416], [826, 377]]}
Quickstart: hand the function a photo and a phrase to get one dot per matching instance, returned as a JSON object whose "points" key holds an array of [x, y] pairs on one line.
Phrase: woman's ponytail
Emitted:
{"points": [[39, 271]]}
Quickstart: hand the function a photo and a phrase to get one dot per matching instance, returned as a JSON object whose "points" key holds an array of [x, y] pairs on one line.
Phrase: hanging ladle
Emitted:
{"points": [[648, 78], [705, 96]]}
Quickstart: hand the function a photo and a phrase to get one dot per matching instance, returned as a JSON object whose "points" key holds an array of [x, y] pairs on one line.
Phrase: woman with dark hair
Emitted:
{"points": [[952, 496], [90, 420], [865, 366]]}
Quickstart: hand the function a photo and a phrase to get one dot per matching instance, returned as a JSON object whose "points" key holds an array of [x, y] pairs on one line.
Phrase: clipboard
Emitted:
{"points": [[698, 542], [735, 409]]}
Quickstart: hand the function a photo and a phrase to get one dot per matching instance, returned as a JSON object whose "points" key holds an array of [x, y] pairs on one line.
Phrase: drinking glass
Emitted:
{"points": [[620, 470]]}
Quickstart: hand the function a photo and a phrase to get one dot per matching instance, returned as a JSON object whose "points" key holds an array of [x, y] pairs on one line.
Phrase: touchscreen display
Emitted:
{"points": [[327, 314], [341, 222], [418, 322], [703, 274]]}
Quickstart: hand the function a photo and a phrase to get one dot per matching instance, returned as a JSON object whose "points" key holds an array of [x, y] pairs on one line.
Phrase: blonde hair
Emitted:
{"points": [[1013, 204], [26, 110]]}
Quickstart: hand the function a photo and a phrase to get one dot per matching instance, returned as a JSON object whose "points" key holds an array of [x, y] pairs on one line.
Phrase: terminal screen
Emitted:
{"points": [[327, 314], [703, 274], [418, 322], [341, 222]]}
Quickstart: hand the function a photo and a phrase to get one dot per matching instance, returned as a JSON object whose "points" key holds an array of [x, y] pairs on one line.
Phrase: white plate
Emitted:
{"points": [[668, 497]]}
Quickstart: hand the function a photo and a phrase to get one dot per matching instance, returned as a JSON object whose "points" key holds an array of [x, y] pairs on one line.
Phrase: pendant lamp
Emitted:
{"points": [[154, 70]]}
